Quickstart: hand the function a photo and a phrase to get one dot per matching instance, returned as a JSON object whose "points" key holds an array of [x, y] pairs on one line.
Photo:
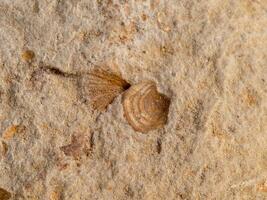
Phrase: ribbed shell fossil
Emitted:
{"points": [[101, 87], [144, 107]]}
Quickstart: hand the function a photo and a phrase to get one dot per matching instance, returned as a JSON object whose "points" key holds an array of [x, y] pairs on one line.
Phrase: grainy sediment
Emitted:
{"points": [[208, 56]]}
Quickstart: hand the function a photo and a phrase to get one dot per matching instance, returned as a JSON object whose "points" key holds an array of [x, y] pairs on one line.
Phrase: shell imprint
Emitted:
{"points": [[144, 107], [102, 87]]}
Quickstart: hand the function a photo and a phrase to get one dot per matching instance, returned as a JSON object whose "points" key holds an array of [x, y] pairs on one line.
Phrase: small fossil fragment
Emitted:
{"points": [[4, 195], [35, 7], [10, 132], [3, 149], [79, 146], [163, 21], [262, 187], [27, 55], [101, 87], [144, 107], [55, 194]]}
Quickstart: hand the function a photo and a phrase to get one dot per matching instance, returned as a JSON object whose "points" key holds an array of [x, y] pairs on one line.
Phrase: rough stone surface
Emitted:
{"points": [[208, 56]]}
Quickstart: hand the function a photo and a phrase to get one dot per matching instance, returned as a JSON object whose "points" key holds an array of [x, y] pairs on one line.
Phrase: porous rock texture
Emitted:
{"points": [[208, 56]]}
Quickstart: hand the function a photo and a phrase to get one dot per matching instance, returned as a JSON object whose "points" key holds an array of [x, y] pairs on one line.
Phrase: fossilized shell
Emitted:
{"points": [[101, 87], [144, 107]]}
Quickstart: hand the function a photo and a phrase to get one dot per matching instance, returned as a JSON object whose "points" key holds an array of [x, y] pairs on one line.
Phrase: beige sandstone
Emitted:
{"points": [[208, 56]]}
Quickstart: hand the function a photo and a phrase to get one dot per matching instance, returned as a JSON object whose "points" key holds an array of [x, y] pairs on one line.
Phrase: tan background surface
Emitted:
{"points": [[208, 56]]}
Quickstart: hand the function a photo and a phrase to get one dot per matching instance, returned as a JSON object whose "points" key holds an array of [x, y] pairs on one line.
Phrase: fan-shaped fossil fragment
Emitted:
{"points": [[144, 107], [101, 87]]}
